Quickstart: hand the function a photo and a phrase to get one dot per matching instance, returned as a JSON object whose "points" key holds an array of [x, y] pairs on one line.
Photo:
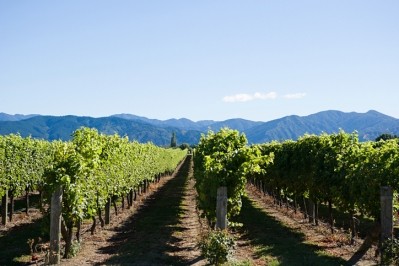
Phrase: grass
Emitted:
{"points": [[278, 244]]}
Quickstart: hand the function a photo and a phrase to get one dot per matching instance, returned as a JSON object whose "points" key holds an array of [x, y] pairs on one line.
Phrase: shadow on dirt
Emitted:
{"points": [[14, 247], [272, 239], [147, 237]]}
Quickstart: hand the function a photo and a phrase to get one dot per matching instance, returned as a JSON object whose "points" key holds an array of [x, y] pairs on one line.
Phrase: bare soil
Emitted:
{"points": [[336, 245]]}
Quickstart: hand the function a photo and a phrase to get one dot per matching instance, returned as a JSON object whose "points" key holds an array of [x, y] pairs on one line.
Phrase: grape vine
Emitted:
{"points": [[92, 168]]}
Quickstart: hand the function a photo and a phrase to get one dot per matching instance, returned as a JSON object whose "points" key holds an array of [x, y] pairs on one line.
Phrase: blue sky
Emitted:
{"points": [[208, 59]]}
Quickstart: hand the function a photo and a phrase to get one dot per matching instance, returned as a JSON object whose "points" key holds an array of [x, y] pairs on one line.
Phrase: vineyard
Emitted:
{"points": [[329, 179], [336, 171], [93, 170]]}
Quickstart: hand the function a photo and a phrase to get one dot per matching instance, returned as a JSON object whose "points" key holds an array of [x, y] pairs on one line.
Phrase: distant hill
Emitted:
{"points": [[54, 128], [204, 125], [182, 123], [16, 117], [368, 125]]}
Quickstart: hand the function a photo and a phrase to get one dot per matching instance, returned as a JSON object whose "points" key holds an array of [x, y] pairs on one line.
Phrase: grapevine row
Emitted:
{"points": [[92, 169], [335, 169], [223, 159]]}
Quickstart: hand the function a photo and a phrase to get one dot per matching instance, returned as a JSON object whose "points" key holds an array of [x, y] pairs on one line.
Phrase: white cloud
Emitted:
{"points": [[242, 97], [295, 95], [245, 97], [265, 96]]}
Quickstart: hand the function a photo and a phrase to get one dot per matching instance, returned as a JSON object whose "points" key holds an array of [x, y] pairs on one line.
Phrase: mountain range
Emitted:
{"points": [[369, 125]]}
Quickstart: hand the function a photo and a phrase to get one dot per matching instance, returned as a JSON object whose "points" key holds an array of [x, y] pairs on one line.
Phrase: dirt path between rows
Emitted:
{"points": [[161, 229]]}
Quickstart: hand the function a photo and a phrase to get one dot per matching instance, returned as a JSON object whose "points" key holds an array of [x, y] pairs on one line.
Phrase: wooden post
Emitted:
{"points": [[386, 213], [27, 201], [131, 195], [221, 208], [331, 217], [311, 212], [4, 208], [108, 211], [55, 226], [12, 202], [305, 209]]}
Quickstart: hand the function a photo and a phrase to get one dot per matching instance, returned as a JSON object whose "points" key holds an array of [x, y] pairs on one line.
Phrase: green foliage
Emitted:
{"points": [[223, 159], [217, 246], [333, 168], [94, 167], [75, 248], [217, 163], [390, 252], [22, 164], [3, 179], [91, 168]]}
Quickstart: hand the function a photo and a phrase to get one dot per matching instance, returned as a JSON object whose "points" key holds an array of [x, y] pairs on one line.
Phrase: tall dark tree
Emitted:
{"points": [[173, 141]]}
